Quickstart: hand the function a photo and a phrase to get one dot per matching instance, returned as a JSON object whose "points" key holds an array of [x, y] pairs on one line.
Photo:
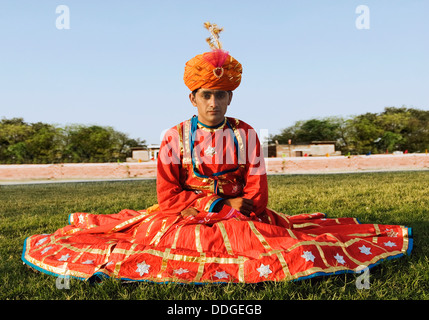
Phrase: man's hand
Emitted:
{"points": [[189, 212], [245, 206]]}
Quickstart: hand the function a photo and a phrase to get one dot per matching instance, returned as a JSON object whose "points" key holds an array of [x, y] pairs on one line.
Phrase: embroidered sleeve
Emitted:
{"points": [[256, 185]]}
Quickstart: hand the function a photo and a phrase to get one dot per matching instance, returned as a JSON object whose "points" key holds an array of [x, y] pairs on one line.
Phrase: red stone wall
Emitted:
{"points": [[348, 164], [72, 171]]}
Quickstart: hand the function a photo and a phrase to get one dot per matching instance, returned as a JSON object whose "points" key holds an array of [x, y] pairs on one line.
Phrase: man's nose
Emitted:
{"points": [[213, 101]]}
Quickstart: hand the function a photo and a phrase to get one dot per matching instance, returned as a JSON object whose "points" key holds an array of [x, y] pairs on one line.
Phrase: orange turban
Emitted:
{"points": [[215, 69]]}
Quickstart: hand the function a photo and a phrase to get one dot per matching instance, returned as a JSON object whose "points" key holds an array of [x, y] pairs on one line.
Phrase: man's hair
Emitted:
{"points": [[196, 90]]}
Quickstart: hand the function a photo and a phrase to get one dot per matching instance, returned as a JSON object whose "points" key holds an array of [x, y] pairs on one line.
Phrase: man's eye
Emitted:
{"points": [[220, 95], [207, 96]]}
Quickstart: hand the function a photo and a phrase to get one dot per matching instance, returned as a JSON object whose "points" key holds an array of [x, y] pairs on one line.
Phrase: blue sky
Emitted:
{"points": [[121, 62]]}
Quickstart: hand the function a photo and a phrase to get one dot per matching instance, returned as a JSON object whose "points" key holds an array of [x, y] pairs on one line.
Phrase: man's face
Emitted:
{"points": [[211, 105]]}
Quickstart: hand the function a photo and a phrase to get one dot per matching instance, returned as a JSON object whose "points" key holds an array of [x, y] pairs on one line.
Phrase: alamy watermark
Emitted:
{"points": [[63, 280], [362, 282], [362, 21], [63, 20], [217, 148]]}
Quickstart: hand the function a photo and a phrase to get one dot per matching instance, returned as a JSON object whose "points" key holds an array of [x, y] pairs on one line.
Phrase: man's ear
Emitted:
{"points": [[192, 99], [230, 97]]}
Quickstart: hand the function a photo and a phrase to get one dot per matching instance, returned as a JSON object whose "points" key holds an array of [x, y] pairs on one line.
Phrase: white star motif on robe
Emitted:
{"points": [[210, 151], [46, 250], [41, 241], [264, 270], [390, 244], [181, 270], [391, 233], [221, 275], [365, 250], [64, 257], [142, 268], [308, 256], [340, 259], [88, 262], [81, 219]]}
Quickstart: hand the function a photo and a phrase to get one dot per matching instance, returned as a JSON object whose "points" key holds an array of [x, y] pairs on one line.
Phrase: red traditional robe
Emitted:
{"points": [[197, 167], [227, 162]]}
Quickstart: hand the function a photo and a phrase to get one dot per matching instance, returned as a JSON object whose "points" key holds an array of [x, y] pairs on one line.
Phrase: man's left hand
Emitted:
{"points": [[189, 212]]}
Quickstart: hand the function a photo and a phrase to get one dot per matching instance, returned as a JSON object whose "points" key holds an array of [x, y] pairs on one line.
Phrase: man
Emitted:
{"points": [[211, 223], [211, 160]]}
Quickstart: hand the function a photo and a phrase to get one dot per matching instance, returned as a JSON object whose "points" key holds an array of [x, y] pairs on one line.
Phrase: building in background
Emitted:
{"points": [[314, 149], [148, 153]]}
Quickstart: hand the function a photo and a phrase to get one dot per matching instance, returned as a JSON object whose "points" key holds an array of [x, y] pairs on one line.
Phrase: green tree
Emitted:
{"points": [[21, 142], [393, 122], [13, 136], [325, 129], [96, 144], [365, 134], [45, 144], [417, 132], [393, 129]]}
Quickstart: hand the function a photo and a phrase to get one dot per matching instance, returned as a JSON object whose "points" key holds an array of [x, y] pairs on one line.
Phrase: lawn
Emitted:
{"points": [[387, 198]]}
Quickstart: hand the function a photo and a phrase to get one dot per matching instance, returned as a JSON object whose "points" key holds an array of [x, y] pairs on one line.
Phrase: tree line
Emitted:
{"points": [[394, 129], [38, 143]]}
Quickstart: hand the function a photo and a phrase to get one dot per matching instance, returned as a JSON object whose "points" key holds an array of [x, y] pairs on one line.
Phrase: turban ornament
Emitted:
{"points": [[215, 69]]}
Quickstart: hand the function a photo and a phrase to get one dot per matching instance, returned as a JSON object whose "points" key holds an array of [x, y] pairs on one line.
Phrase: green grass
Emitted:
{"points": [[388, 198]]}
